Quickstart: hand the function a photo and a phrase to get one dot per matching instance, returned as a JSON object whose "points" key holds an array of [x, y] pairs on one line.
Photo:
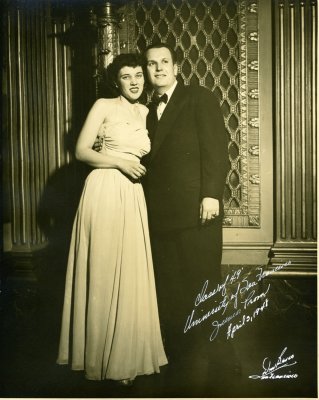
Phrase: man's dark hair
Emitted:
{"points": [[159, 46]]}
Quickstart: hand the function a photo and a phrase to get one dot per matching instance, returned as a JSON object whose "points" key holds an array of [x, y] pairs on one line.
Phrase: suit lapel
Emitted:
{"points": [[165, 124], [152, 121]]}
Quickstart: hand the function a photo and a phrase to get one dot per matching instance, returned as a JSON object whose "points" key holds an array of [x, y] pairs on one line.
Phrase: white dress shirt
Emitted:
{"points": [[162, 105]]}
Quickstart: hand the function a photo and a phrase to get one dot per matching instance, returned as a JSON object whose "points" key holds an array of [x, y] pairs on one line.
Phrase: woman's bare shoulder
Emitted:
{"points": [[143, 109], [105, 102], [103, 106]]}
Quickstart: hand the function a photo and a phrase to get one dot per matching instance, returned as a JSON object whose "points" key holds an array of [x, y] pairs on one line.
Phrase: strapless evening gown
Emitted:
{"points": [[110, 322]]}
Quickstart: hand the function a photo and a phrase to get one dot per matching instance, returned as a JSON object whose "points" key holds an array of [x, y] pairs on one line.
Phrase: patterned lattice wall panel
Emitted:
{"points": [[216, 42]]}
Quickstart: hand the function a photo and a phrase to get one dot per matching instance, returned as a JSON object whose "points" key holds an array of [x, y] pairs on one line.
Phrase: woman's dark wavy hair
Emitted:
{"points": [[109, 88]]}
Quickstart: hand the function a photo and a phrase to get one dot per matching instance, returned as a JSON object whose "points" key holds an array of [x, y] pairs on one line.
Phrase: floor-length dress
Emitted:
{"points": [[110, 322]]}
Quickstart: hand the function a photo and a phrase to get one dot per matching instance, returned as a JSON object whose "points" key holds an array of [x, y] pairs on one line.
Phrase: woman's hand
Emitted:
{"points": [[131, 168]]}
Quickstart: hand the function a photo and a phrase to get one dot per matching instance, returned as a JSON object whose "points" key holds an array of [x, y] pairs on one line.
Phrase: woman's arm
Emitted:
{"points": [[85, 153]]}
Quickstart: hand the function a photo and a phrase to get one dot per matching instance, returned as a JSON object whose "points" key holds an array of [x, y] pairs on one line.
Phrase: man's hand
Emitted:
{"points": [[98, 143], [209, 209], [132, 168]]}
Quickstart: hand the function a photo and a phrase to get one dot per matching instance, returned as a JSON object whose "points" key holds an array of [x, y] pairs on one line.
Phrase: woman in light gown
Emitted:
{"points": [[110, 323]]}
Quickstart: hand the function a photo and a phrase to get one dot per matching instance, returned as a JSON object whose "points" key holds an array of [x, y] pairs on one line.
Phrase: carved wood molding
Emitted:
{"points": [[108, 44], [296, 127], [296, 120], [42, 116], [301, 256], [37, 113]]}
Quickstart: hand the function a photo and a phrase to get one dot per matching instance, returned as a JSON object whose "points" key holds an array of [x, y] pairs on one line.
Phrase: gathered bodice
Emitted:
{"points": [[124, 130]]}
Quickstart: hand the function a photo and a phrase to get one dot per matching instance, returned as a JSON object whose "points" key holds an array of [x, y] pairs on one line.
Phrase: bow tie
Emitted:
{"points": [[159, 99]]}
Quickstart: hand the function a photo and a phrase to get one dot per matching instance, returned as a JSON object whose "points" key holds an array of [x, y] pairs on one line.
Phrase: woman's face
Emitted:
{"points": [[131, 82]]}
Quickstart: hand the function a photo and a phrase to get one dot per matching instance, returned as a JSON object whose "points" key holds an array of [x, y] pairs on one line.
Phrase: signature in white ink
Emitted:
{"points": [[220, 288], [269, 368], [216, 324]]}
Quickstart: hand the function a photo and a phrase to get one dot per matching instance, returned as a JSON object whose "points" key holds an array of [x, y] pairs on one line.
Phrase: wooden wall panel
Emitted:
{"points": [[39, 48], [49, 84], [296, 127]]}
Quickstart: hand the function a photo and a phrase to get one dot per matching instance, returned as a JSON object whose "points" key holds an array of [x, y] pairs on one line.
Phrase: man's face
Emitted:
{"points": [[160, 69]]}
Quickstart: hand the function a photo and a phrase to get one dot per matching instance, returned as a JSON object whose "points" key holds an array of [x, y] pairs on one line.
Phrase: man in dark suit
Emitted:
{"points": [[184, 185]]}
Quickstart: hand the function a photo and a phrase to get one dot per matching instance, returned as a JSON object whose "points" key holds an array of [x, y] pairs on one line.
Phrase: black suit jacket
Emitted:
{"points": [[188, 159]]}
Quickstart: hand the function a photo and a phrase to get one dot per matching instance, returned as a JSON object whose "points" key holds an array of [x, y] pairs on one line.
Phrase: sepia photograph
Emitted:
{"points": [[159, 199]]}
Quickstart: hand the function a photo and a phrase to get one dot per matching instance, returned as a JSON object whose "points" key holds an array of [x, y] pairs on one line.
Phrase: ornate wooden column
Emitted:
{"points": [[44, 99], [296, 129], [37, 113], [108, 44]]}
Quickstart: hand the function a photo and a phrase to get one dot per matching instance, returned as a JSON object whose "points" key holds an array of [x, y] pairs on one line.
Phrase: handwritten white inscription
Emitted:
{"points": [[239, 294]]}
